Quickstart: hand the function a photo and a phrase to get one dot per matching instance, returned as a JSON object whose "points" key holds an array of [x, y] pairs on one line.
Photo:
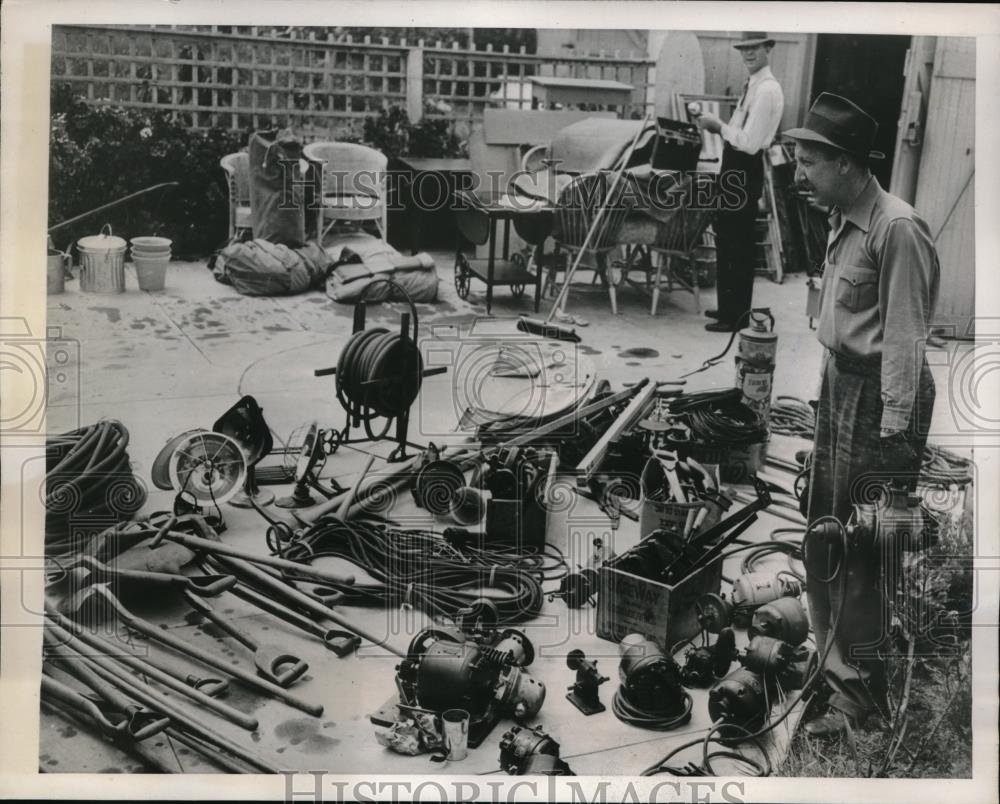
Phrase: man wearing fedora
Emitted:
{"points": [[749, 132], [880, 284]]}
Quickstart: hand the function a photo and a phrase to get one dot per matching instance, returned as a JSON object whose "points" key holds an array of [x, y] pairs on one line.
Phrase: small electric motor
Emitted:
{"points": [[740, 703]]}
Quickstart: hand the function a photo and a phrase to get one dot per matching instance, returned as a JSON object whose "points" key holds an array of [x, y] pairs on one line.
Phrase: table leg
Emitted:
{"points": [[539, 262], [506, 239], [489, 265]]}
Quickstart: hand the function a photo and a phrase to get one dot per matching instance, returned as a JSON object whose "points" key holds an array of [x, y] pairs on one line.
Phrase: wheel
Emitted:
{"points": [[462, 277], [330, 439]]}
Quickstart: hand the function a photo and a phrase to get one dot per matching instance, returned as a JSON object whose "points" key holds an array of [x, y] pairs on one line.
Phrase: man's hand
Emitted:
{"points": [[709, 122]]}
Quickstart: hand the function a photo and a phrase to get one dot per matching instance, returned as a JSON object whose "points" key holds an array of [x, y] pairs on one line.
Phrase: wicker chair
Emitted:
{"points": [[354, 185], [579, 204], [237, 168]]}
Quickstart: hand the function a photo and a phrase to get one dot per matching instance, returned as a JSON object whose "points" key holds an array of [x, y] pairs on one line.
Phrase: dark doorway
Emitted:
{"points": [[869, 71]]}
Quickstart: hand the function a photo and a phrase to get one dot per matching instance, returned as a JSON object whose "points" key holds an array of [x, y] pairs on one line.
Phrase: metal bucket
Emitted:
{"points": [[55, 274], [102, 262]]}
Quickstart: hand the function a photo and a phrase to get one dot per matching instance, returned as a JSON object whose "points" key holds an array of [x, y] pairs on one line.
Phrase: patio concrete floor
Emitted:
{"points": [[166, 362]]}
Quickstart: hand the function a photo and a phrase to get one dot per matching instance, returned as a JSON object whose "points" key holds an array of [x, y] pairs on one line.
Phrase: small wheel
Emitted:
{"points": [[462, 277], [517, 289], [330, 440]]}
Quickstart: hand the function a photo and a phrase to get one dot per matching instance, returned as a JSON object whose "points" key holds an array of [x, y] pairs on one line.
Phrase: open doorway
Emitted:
{"points": [[869, 70]]}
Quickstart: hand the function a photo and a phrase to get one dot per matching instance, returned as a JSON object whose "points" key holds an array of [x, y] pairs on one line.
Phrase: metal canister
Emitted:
{"points": [[102, 262], [757, 347]]}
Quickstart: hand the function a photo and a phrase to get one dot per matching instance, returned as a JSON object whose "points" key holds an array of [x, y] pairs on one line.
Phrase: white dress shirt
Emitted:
{"points": [[756, 119]]}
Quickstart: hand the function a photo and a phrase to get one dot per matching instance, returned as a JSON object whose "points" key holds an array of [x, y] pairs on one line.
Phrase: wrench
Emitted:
{"points": [[205, 585], [272, 663]]}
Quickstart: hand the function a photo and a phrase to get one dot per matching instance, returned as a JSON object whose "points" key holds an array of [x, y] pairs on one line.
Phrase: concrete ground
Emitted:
{"points": [[166, 362]]}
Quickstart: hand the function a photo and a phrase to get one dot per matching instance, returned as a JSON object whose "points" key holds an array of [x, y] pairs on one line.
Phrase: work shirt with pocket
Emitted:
{"points": [[880, 285]]}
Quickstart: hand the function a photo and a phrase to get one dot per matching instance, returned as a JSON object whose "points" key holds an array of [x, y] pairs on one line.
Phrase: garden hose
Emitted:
{"points": [[379, 372], [88, 478]]}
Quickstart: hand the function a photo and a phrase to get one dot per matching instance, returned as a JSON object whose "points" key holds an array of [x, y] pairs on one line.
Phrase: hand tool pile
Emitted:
{"points": [[95, 674]]}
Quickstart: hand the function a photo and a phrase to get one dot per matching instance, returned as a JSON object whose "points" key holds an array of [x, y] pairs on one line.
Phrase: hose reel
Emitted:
{"points": [[379, 375]]}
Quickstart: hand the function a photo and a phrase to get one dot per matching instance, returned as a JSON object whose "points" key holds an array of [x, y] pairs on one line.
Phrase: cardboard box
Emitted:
{"points": [[662, 514], [628, 604]]}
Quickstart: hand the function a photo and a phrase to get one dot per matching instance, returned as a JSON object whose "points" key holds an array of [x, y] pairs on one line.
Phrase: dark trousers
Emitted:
{"points": [[847, 461], [735, 240]]}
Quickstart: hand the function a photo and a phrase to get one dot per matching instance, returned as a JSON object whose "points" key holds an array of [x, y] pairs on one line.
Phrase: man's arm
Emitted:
{"points": [[760, 125], [907, 291]]}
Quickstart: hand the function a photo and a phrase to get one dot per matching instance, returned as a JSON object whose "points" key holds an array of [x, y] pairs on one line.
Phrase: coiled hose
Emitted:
{"points": [[88, 478], [420, 569], [379, 372], [792, 416], [719, 417]]}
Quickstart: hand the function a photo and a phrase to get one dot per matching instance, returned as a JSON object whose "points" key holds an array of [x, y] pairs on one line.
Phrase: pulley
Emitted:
{"points": [[702, 665]]}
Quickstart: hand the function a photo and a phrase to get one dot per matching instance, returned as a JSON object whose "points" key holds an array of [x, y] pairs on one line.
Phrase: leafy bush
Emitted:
{"points": [[99, 154], [392, 133]]}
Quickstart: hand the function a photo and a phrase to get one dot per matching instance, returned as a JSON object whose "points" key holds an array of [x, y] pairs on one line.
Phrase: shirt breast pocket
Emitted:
{"points": [[857, 288]]}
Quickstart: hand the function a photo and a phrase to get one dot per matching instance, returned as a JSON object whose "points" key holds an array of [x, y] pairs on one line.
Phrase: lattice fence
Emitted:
{"points": [[255, 77]]}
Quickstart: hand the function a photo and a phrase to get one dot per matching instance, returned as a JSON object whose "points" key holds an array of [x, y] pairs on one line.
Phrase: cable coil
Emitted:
{"points": [[89, 476]]}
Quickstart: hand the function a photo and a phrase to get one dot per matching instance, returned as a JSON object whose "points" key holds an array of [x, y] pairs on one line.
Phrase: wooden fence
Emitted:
{"points": [[250, 77]]}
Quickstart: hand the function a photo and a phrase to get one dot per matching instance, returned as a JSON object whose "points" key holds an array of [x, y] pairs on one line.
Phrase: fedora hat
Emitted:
{"points": [[752, 39], [835, 121]]}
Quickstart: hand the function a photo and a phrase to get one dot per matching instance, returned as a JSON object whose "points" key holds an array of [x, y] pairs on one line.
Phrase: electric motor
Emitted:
{"points": [[753, 589], [650, 679], [519, 694], [783, 619], [530, 751], [766, 655], [705, 664], [738, 700]]}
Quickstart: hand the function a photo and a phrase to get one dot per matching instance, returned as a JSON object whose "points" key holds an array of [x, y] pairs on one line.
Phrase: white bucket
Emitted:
{"points": [[151, 272]]}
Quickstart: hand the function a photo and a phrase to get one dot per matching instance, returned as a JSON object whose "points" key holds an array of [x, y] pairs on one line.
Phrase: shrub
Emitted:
{"points": [[100, 153], [392, 133]]}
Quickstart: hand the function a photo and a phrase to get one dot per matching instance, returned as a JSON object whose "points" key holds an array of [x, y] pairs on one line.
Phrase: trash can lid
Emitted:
{"points": [[105, 241]]}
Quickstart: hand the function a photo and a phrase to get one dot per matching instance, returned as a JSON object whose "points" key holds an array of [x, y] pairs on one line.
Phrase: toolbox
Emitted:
{"points": [[629, 604]]}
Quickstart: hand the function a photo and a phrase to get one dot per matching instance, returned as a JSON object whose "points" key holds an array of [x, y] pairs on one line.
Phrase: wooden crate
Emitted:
{"points": [[628, 604]]}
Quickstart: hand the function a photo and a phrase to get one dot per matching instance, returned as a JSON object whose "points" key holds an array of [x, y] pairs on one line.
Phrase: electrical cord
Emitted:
{"points": [[656, 720], [422, 570], [793, 417], [719, 417]]}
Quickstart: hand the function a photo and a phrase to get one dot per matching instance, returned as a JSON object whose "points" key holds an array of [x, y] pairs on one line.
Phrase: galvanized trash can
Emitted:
{"points": [[102, 262], [55, 271]]}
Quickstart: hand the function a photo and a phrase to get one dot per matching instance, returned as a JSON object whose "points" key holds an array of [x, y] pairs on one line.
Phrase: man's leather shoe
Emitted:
{"points": [[712, 314], [720, 326], [830, 725]]}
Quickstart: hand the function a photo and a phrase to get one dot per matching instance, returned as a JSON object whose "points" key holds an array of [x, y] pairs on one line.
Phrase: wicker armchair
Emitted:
{"points": [[354, 185], [237, 168]]}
